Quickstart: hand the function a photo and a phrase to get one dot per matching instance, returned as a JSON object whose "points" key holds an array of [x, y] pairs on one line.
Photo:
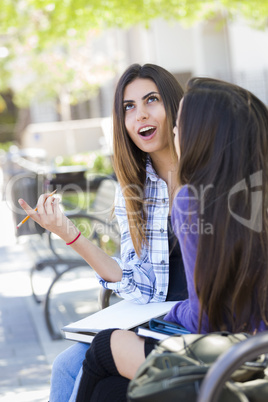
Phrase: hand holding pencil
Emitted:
{"points": [[28, 216], [49, 215]]}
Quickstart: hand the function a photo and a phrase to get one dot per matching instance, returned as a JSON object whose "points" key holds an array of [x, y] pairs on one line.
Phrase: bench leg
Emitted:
{"points": [[33, 270], [36, 298], [55, 334]]}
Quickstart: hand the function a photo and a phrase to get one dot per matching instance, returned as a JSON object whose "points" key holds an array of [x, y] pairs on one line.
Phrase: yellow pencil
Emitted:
{"points": [[27, 217]]}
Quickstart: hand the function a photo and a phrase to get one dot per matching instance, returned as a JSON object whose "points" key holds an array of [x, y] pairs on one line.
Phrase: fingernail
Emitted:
{"points": [[20, 201]]}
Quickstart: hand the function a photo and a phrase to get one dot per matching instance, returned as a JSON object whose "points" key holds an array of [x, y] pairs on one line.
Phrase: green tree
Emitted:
{"points": [[47, 41], [58, 19]]}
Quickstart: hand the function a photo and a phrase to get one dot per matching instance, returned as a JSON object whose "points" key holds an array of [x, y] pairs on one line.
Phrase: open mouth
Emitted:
{"points": [[147, 131]]}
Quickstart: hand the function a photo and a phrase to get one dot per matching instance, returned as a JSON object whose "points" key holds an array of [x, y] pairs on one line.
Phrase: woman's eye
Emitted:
{"points": [[152, 98], [128, 106]]}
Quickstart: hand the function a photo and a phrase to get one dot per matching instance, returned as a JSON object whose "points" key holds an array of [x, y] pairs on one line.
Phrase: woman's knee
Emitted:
{"points": [[60, 362], [127, 347]]}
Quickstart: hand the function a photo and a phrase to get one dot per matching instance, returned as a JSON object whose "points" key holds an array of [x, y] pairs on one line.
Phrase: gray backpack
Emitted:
{"points": [[175, 369]]}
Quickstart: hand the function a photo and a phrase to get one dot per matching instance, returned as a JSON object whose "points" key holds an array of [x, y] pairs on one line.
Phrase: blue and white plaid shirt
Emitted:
{"points": [[144, 279]]}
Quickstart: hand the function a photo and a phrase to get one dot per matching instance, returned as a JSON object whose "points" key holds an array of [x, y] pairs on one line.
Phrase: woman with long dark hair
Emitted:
{"points": [[150, 268], [222, 137]]}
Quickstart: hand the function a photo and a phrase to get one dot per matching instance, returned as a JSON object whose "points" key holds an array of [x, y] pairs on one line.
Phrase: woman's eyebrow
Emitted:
{"points": [[149, 94], [143, 98]]}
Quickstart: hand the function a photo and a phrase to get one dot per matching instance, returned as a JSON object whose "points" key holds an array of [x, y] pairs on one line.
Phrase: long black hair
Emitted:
{"points": [[223, 136]]}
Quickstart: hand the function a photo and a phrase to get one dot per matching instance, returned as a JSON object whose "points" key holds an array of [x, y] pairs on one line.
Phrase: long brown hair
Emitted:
{"points": [[223, 135], [129, 160]]}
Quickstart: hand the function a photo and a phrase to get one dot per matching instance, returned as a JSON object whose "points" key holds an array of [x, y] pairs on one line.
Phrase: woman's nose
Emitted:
{"points": [[141, 114]]}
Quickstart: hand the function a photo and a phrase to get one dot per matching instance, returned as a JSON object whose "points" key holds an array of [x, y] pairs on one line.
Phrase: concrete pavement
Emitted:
{"points": [[26, 350]]}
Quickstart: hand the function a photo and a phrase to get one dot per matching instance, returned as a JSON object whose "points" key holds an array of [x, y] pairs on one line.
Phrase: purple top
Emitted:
{"points": [[185, 225], [184, 221]]}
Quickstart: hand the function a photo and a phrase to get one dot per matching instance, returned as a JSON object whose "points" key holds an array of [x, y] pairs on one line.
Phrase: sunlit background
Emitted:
{"points": [[60, 60], [59, 64]]}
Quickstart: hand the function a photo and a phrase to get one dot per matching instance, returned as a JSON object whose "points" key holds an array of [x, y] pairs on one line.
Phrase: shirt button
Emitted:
{"points": [[162, 262], [161, 293], [162, 230]]}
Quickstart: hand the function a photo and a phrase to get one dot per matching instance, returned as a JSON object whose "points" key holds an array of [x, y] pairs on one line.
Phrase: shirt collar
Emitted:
{"points": [[150, 171]]}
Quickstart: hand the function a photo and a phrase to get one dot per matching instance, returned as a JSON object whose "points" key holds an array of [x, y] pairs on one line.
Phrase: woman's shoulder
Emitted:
{"points": [[183, 191], [186, 199]]}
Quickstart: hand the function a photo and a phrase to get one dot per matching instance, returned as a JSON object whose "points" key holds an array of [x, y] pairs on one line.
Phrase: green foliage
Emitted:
{"points": [[255, 11], [82, 200], [62, 19], [8, 116], [96, 162], [5, 75], [46, 38], [4, 146], [102, 164]]}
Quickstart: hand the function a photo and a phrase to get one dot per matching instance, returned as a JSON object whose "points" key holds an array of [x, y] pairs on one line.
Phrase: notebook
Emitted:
{"points": [[123, 315]]}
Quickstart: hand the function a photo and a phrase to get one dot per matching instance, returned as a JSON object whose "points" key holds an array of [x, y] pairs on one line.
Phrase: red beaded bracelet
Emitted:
{"points": [[77, 237]]}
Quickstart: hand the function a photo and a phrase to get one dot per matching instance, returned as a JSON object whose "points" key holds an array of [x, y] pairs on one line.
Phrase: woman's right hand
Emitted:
{"points": [[50, 216]]}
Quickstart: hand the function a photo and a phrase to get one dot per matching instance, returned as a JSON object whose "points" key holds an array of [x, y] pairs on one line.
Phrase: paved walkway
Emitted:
{"points": [[26, 350]]}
